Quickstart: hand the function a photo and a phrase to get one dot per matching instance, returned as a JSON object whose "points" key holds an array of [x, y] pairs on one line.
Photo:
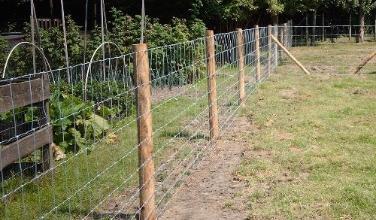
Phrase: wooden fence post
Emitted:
{"points": [[374, 30], [212, 85], [240, 54], [275, 47], [258, 64], [323, 28], [286, 36], [314, 27], [307, 31], [350, 30], [281, 39], [144, 129], [270, 29]]}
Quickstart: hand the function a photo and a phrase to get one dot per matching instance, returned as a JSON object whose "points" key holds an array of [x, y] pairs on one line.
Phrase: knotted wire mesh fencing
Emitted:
{"points": [[69, 137]]}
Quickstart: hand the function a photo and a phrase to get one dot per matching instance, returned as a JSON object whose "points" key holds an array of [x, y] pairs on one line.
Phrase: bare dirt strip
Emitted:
{"points": [[212, 191]]}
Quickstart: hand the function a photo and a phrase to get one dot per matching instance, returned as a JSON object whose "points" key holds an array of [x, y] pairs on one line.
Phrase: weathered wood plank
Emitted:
{"points": [[17, 94], [12, 152]]}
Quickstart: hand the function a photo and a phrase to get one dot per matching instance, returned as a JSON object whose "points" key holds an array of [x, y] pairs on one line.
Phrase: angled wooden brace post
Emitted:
{"points": [[364, 62], [290, 55]]}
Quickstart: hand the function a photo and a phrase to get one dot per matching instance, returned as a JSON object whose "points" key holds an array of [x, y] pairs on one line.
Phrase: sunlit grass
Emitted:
{"points": [[316, 135]]}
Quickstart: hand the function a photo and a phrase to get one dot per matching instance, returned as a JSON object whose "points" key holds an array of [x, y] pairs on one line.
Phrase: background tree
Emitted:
{"points": [[272, 7], [363, 8]]}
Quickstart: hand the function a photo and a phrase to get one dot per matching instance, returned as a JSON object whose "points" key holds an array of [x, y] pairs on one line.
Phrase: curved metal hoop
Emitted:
{"points": [[46, 63], [91, 61]]}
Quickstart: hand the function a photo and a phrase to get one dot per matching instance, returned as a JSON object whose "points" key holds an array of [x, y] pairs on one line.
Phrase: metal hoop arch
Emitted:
{"points": [[92, 58], [46, 63]]}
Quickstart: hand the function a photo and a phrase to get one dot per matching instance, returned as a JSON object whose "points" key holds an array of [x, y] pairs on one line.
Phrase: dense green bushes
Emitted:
{"points": [[78, 122], [122, 30]]}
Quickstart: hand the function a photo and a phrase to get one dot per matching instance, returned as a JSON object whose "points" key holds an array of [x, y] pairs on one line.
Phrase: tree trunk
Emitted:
{"points": [[314, 26], [275, 19], [361, 30], [51, 9]]}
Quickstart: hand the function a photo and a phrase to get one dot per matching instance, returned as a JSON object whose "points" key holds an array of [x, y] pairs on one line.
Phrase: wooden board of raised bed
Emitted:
{"points": [[15, 151], [23, 92]]}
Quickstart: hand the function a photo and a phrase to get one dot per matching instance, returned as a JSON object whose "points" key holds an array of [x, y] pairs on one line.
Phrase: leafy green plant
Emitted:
{"points": [[75, 123], [3, 48]]}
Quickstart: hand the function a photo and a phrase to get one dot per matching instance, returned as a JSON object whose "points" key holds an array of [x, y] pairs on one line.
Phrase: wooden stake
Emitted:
{"points": [[323, 28], [240, 54], [364, 62], [144, 126], [374, 30], [290, 55], [285, 35], [212, 85], [314, 27], [281, 39], [258, 64], [350, 31], [276, 48], [307, 31], [270, 29]]}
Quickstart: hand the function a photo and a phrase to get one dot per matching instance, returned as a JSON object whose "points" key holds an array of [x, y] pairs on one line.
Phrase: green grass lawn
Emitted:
{"points": [[313, 146]]}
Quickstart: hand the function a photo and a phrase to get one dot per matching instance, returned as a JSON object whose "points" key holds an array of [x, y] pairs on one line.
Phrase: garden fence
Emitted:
{"points": [[131, 126]]}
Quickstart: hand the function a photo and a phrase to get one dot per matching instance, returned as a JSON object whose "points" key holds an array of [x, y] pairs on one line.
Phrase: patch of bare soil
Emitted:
{"points": [[289, 93], [166, 93], [212, 191]]}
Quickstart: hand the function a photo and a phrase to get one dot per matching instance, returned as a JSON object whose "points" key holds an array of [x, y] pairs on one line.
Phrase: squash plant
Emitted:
{"points": [[75, 123]]}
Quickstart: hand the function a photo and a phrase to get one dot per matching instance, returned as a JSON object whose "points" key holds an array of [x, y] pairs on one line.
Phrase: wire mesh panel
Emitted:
{"points": [[312, 35], [92, 119]]}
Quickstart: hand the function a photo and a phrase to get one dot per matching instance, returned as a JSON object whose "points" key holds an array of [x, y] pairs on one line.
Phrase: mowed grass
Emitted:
{"points": [[312, 151]]}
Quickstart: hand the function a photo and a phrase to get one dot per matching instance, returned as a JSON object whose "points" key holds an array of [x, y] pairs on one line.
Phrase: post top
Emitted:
{"points": [[209, 33], [256, 26], [239, 29], [139, 47]]}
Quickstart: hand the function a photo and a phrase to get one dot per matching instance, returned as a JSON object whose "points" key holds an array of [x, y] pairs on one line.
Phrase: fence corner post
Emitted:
{"points": [[281, 39], [240, 56], [212, 85], [276, 55], [270, 32], [258, 64], [144, 132], [286, 36]]}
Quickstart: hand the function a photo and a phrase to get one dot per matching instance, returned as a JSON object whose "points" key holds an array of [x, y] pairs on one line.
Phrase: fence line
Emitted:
{"points": [[100, 128]]}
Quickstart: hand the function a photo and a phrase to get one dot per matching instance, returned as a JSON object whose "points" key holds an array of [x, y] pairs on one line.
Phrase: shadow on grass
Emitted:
{"points": [[184, 134], [111, 215], [29, 169], [98, 215]]}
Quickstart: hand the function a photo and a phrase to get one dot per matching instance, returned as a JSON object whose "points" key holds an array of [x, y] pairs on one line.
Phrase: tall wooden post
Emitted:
{"points": [[240, 54], [258, 64], [212, 85], [374, 30], [307, 30], [350, 28], [314, 27], [276, 57], [281, 39], [323, 27], [270, 29], [144, 129], [286, 36]]}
